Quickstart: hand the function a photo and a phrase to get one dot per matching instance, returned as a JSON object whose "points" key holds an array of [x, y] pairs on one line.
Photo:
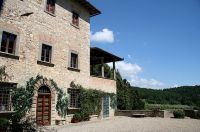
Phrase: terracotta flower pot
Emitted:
{"points": [[74, 120]]}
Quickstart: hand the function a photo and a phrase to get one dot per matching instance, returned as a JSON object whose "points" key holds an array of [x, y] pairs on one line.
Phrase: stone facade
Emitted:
{"points": [[33, 26]]}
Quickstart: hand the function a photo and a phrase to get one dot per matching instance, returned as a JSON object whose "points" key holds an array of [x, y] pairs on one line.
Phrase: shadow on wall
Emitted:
{"points": [[1, 5]]}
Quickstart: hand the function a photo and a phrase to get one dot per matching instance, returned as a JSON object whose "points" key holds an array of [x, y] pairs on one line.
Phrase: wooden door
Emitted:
{"points": [[43, 116]]}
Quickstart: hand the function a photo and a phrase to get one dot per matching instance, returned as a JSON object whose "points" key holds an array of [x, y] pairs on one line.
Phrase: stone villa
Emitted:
{"points": [[50, 38]]}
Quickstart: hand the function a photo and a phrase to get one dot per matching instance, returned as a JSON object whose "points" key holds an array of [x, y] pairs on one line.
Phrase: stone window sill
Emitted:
{"points": [[73, 69], [45, 63], [6, 112], [50, 13], [72, 108], [7, 55], [74, 26]]}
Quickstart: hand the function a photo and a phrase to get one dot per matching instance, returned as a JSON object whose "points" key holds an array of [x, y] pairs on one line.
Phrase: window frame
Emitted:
{"points": [[48, 12], [76, 102], [6, 97], [14, 55], [78, 13], [69, 62], [40, 62], [78, 19]]}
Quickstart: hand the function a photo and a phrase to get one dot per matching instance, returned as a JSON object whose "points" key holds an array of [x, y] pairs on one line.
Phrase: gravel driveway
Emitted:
{"points": [[127, 124]]}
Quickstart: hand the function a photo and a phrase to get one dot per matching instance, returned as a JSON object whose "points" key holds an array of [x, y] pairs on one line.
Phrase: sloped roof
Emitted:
{"points": [[96, 54]]}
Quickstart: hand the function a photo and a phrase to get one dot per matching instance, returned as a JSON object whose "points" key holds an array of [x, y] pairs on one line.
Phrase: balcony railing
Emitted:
{"points": [[107, 73]]}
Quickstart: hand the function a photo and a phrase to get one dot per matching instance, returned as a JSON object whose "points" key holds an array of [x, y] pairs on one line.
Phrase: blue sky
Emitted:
{"points": [[159, 39]]}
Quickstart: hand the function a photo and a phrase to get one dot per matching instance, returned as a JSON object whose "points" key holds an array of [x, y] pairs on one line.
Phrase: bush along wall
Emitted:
{"points": [[179, 114], [91, 103]]}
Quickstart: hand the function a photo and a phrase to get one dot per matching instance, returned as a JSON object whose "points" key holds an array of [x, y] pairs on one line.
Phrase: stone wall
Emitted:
{"points": [[56, 30], [148, 113]]}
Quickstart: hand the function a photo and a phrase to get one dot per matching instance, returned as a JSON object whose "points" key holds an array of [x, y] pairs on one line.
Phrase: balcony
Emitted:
{"points": [[103, 76]]}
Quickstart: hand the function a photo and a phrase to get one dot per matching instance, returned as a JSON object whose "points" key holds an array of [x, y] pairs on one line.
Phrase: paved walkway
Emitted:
{"points": [[127, 124]]}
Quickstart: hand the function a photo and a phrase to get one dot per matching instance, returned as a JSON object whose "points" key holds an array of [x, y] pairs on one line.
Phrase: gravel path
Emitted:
{"points": [[127, 124]]}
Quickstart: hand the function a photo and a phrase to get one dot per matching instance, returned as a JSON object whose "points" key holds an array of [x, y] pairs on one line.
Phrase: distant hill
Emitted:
{"points": [[185, 95]]}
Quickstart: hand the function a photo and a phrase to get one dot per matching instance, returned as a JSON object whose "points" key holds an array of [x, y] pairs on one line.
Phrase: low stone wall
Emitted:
{"points": [[148, 113]]}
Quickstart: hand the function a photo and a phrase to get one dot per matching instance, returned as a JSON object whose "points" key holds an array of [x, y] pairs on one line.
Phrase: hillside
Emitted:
{"points": [[185, 95]]}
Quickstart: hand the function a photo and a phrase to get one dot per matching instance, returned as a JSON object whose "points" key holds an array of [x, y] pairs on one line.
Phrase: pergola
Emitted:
{"points": [[100, 56]]}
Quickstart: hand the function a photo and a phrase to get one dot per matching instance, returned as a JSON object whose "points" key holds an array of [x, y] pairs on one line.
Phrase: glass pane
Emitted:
{"points": [[11, 44], [46, 53], [8, 42], [3, 42], [50, 6], [74, 60], [5, 99], [44, 89]]}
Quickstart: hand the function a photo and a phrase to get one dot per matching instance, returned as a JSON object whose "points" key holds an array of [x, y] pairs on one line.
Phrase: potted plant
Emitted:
{"points": [[76, 118]]}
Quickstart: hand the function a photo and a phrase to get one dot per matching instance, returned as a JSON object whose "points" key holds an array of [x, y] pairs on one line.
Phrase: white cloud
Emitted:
{"points": [[104, 36], [130, 72], [128, 69], [145, 83]]}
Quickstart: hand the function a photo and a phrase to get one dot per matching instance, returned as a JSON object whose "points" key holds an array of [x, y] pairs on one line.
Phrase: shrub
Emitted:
{"points": [[76, 118], [190, 113], [198, 114], [4, 124], [179, 114]]}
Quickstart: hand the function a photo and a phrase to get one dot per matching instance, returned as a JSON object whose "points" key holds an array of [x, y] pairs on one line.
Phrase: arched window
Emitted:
{"points": [[44, 90]]}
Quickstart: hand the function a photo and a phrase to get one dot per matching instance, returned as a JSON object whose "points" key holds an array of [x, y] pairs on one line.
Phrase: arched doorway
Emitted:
{"points": [[43, 112]]}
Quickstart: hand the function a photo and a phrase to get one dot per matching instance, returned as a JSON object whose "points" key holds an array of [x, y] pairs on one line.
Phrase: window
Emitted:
{"points": [[74, 60], [5, 96], [75, 19], [46, 53], [8, 42], [74, 101], [5, 100], [50, 6]]}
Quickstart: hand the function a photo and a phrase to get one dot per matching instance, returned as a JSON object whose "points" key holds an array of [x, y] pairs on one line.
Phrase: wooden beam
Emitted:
{"points": [[102, 67]]}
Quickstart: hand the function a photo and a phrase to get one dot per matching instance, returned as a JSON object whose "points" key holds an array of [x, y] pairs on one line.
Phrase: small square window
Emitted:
{"points": [[46, 53], [75, 19], [74, 61], [8, 42], [50, 6]]}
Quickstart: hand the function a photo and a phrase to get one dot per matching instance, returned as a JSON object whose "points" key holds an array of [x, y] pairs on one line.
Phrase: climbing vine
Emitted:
{"points": [[91, 102], [62, 100], [22, 98]]}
